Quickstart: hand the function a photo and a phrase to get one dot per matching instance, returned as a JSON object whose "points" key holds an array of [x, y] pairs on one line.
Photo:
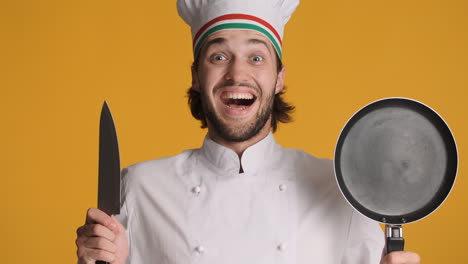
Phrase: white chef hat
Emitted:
{"points": [[206, 17]]}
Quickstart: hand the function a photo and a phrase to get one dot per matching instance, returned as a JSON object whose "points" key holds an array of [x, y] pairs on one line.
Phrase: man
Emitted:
{"points": [[241, 198]]}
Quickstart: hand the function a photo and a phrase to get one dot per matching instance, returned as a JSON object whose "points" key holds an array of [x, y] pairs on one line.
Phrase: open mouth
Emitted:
{"points": [[238, 100]]}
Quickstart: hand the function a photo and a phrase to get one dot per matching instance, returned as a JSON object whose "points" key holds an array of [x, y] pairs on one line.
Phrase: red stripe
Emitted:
{"points": [[237, 16]]}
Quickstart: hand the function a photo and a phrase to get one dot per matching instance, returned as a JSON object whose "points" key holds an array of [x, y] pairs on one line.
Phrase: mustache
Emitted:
{"points": [[229, 83]]}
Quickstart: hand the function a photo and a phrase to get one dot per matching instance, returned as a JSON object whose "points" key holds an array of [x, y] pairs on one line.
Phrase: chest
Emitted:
{"points": [[249, 217], [205, 217]]}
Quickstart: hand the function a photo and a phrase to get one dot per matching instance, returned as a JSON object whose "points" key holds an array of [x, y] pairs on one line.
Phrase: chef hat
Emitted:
{"points": [[206, 17]]}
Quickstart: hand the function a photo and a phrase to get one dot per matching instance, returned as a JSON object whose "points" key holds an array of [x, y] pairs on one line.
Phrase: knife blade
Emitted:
{"points": [[109, 165]]}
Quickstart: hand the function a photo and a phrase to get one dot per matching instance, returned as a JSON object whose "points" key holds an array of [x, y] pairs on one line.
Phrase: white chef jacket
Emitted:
{"points": [[284, 208]]}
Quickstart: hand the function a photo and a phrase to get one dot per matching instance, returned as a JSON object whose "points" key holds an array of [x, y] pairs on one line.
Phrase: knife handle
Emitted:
{"points": [[101, 262]]}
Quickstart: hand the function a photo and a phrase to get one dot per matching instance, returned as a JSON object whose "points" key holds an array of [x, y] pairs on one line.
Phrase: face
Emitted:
{"points": [[237, 79]]}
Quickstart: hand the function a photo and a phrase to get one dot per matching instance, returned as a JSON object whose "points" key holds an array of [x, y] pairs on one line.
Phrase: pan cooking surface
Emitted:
{"points": [[395, 161]]}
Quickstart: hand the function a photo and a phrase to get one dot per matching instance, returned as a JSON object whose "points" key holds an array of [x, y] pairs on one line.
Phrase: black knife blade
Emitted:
{"points": [[109, 165]]}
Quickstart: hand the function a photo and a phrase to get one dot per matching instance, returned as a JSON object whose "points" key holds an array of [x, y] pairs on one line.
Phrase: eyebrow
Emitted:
{"points": [[259, 41], [213, 41]]}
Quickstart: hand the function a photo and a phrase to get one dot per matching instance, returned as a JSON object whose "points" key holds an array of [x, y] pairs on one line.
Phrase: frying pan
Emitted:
{"points": [[396, 162]]}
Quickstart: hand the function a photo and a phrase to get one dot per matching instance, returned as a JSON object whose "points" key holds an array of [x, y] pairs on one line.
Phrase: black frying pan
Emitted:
{"points": [[396, 162]]}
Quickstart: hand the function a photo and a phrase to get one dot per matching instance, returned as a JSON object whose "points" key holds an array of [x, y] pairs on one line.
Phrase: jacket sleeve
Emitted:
{"points": [[123, 216], [365, 241]]}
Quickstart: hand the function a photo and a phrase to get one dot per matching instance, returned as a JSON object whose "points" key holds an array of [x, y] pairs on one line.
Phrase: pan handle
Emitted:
{"points": [[395, 241]]}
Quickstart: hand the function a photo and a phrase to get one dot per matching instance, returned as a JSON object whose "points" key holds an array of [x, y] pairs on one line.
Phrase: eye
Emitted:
{"points": [[257, 58], [218, 57]]}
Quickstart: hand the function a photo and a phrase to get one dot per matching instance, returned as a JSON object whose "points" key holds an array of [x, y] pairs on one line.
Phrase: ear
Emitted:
{"points": [[280, 81], [195, 80]]}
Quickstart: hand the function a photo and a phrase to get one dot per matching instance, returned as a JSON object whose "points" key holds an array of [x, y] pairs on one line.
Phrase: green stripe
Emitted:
{"points": [[237, 26]]}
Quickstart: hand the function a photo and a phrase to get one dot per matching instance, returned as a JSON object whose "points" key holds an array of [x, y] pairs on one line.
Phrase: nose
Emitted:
{"points": [[237, 71]]}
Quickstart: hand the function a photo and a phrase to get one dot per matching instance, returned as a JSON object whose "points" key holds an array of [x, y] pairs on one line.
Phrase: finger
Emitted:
{"points": [[90, 256], [100, 243], [97, 254], [118, 226], [95, 215], [406, 257], [96, 230]]}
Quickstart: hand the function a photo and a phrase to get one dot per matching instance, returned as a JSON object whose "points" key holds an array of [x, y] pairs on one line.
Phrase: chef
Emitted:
{"points": [[241, 197]]}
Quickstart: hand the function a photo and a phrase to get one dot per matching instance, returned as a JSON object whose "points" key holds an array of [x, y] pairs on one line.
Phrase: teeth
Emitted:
{"points": [[238, 96], [241, 108]]}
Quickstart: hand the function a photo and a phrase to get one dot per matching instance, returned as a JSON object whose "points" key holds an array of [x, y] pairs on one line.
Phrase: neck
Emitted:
{"points": [[240, 147]]}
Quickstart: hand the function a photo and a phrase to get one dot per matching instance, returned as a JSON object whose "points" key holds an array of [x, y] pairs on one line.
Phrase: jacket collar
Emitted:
{"points": [[253, 159]]}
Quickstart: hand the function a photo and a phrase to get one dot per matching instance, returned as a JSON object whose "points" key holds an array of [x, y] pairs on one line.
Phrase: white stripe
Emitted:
{"points": [[246, 21]]}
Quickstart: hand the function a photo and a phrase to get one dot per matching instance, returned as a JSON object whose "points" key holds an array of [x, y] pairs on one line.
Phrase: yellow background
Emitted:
{"points": [[60, 59]]}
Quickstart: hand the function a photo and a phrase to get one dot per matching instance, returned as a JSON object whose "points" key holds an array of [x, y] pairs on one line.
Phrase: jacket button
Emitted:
{"points": [[196, 189], [199, 249], [282, 187], [281, 247]]}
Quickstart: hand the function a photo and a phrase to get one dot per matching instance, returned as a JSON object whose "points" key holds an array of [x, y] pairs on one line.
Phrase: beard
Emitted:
{"points": [[238, 134]]}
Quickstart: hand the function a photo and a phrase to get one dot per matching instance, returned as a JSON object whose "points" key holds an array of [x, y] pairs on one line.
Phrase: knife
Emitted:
{"points": [[109, 166]]}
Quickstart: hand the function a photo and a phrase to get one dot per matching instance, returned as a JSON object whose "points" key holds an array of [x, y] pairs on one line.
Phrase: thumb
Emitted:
{"points": [[117, 226]]}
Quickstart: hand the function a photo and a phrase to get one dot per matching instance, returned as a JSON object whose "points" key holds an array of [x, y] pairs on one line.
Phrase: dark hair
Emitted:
{"points": [[281, 111]]}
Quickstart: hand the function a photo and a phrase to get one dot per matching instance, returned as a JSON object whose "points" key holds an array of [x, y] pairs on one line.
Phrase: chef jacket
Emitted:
{"points": [[285, 207]]}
